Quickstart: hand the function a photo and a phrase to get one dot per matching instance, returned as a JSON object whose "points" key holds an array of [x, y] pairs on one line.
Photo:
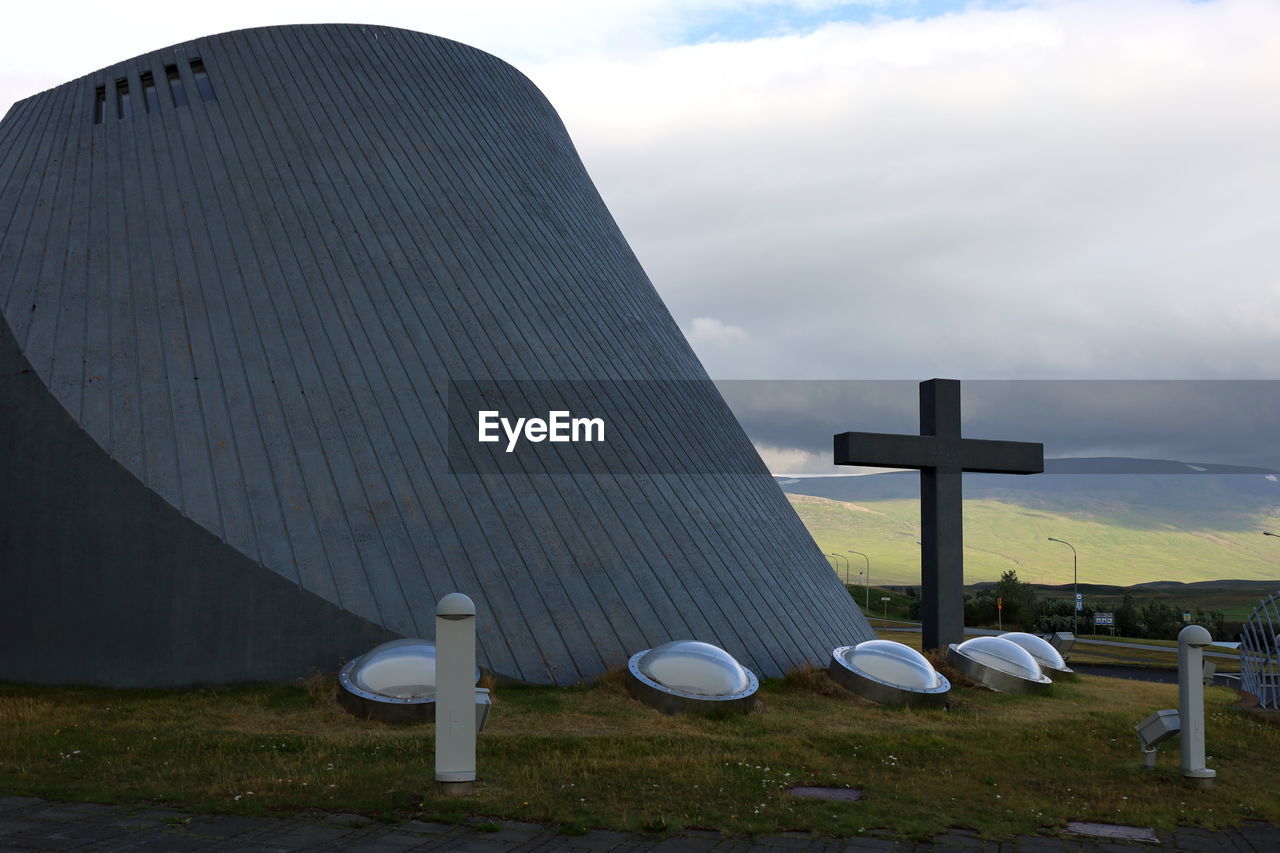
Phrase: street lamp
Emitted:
{"points": [[1075, 584], [867, 585], [846, 566]]}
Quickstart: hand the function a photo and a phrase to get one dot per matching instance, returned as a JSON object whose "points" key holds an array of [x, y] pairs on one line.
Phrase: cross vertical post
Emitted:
{"points": [[941, 520], [942, 457]]}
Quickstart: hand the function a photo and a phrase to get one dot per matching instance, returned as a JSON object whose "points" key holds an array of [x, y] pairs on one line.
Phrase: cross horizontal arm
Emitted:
{"points": [[1000, 457], [923, 452], [885, 450]]}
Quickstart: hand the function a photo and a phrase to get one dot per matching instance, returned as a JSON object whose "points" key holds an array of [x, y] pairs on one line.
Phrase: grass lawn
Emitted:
{"points": [[897, 608], [593, 757]]}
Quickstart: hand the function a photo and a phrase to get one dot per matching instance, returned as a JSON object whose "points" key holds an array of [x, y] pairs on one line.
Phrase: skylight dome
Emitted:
{"points": [[889, 673], [999, 664], [394, 682], [1046, 655], [687, 675]]}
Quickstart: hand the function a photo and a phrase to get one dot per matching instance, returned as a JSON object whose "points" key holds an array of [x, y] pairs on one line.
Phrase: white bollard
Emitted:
{"points": [[456, 694], [1191, 643]]}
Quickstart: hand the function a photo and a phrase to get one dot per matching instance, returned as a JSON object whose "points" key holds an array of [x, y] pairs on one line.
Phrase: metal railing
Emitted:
{"points": [[1260, 653]]}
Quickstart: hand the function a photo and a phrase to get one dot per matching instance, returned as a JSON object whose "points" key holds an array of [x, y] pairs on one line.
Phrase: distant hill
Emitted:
{"points": [[1131, 520]]}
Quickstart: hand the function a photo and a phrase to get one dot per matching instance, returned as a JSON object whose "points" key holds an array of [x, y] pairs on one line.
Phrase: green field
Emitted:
{"points": [[1000, 536]]}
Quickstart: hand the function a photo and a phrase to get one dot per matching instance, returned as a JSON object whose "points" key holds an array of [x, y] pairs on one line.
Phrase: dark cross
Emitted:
{"points": [[941, 456]]}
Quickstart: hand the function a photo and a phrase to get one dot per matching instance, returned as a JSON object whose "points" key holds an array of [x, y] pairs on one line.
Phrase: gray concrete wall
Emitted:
{"points": [[106, 583], [250, 308]]}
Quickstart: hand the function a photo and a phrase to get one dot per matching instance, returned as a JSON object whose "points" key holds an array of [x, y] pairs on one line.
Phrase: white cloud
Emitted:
{"points": [[1071, 188], [796, 461], [1068, 189], [42, 45], [710, 332], [792, 460]]}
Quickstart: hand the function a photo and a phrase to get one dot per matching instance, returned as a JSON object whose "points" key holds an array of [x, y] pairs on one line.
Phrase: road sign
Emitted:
{"points": [[1079, 596], [1104, 619], [1186, 617]]}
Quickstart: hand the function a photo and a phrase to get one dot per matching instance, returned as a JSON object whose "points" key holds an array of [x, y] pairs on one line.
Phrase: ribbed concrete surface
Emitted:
{"points": [[253, 304]]}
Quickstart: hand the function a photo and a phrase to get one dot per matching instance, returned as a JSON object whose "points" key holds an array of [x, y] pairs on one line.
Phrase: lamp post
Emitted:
{"points": [[867, 584], [1075, 586], [846, 566]]}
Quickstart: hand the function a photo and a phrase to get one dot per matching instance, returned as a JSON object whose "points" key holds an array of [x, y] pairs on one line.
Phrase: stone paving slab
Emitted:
{"points": [[857, 845], [226, 826], [176, 843], [597, 839], [354, 821], [73, 811], [685, 844], [386, 843], [135, 822], [7, 802], [515, 836], [1117, 832]]}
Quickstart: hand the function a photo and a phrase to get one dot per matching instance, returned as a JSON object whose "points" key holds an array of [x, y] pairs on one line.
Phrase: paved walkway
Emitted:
{"points": [[27, 823]]}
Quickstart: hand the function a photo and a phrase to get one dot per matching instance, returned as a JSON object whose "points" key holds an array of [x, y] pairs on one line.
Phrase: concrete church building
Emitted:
{"points": [[237, 278]]}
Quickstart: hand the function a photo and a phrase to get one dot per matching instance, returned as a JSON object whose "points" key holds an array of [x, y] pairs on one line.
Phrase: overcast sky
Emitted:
{"points": [[880, 189], [1193, 421]]}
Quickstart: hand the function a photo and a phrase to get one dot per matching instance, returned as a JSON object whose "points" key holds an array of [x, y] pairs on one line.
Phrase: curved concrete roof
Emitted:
{"points": [[243, 288]]}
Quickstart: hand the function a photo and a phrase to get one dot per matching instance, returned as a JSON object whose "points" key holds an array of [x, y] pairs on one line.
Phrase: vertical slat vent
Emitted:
{"points": [[124, 100], [203, 84], [175, 85], [124, 106], [150, 97]]}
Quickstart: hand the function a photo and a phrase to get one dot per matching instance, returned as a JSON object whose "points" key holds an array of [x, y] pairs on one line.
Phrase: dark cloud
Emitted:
{"points": [[1196, 421]]}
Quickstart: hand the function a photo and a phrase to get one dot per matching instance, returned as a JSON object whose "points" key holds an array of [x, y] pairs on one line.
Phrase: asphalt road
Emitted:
{"points": [[914, 628]]}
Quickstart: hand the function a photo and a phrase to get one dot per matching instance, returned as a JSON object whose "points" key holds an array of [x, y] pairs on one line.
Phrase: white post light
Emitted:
{"points": [[1191, 642], [456, 694]]}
